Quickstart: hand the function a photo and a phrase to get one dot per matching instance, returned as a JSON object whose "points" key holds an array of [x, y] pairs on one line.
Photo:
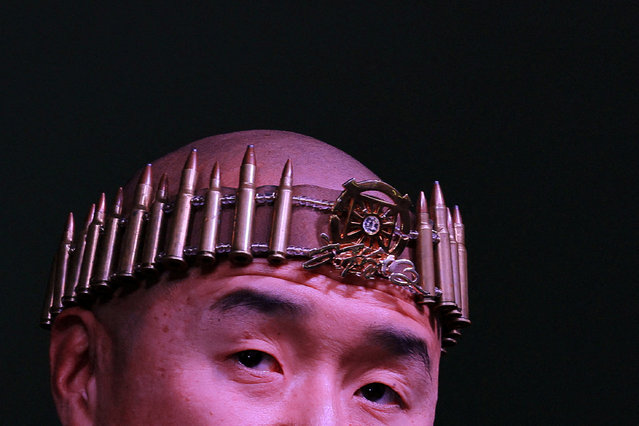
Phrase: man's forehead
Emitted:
{"points": [[288, 285]]}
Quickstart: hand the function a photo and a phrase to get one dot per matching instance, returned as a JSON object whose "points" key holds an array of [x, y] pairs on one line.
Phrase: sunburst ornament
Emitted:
{"points": [[368, 234], [360, 218]]}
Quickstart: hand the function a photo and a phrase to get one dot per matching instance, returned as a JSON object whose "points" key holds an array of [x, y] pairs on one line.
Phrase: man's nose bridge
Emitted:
{"points": [[318, 401]]}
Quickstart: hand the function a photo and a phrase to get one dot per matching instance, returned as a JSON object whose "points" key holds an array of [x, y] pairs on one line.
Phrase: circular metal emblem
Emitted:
{"points": [[361, 218]]}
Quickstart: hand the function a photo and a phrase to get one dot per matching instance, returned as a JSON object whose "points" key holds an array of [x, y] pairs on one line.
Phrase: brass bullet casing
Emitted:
{"points": [[73, 277], [455, 313], [132, 239], [454, 333], [106, 248], [451, 338], [244, 211], [460, 237], [211, 221], [62, 264], [448, 341], [425, 257], [83, 288], [176, 240], [45, 315], [454, 258], [282, 214], [152, 237], [444, 270]]}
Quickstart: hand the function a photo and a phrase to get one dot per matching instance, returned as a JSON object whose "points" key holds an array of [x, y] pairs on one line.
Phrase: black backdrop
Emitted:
{"points": [[526, 114]]}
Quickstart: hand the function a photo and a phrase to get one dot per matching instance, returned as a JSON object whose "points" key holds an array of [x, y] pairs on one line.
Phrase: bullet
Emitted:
{"points": [[454, 259], [211, 221], [179, 230], [83, 288], [454, 333], [448, 341], [69, 297], [451, 337], [106, 248], [244, 211], [444, 271], [61, 266], [460, 237], [153, 234], [132, 238], [282, 214], [45, 315], [425, 257]]}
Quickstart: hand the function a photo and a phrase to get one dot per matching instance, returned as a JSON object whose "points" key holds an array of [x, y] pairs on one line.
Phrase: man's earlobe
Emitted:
{"points": [[75, 336]]}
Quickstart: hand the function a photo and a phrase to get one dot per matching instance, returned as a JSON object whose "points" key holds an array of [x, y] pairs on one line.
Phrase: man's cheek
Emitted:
{"points": [[200, 394]]}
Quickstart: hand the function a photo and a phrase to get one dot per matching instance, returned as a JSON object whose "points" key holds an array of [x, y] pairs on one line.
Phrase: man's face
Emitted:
{"points": [[260, 345]]}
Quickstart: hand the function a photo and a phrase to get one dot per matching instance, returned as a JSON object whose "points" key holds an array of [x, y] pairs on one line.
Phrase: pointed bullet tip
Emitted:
{"points": [[214, 179], [288, 169], [191, 161], [457, 218], [163, 181], [89, 217], [437, 196], [423, 205], [102, 202], [163, 188], [117, 205], [68, 228], [449, 222], [249, 155], [100, 209], [145, 177]]}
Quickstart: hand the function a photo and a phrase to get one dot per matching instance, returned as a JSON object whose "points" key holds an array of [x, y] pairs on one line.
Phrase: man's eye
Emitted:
{"points": [[257, 360], [379, 393]]}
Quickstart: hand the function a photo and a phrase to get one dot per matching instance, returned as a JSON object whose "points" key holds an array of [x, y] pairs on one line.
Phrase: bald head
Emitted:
{"points": [[185, 340], [314, 162]]}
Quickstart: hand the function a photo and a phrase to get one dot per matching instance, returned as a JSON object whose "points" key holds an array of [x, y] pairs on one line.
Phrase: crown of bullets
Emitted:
{"points": [[368, 236]]}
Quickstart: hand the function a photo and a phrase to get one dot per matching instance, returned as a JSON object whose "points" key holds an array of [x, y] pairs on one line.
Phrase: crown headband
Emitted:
{"points": [[370, 236]]}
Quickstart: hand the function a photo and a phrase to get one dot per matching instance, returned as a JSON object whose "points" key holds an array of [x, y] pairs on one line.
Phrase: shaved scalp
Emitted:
{"points": [[314, 162]]}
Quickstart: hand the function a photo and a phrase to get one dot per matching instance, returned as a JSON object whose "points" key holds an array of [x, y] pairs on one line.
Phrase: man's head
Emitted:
{"points": [[327, 337]]}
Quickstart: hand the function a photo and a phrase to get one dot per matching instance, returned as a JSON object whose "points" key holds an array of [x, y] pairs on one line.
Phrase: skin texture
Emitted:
{"points": [[250, 345]]}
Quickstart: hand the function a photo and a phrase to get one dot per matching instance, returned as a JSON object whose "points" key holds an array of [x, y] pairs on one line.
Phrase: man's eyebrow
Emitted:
{"points": [[400, 343], [259, 302]]}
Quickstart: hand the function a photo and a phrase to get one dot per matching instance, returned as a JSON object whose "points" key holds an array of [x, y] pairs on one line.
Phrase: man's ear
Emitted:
{"points": [[75, 338]]}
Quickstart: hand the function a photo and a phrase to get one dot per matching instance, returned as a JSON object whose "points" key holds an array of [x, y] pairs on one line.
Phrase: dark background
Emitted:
{"points": [[526, 114]]}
